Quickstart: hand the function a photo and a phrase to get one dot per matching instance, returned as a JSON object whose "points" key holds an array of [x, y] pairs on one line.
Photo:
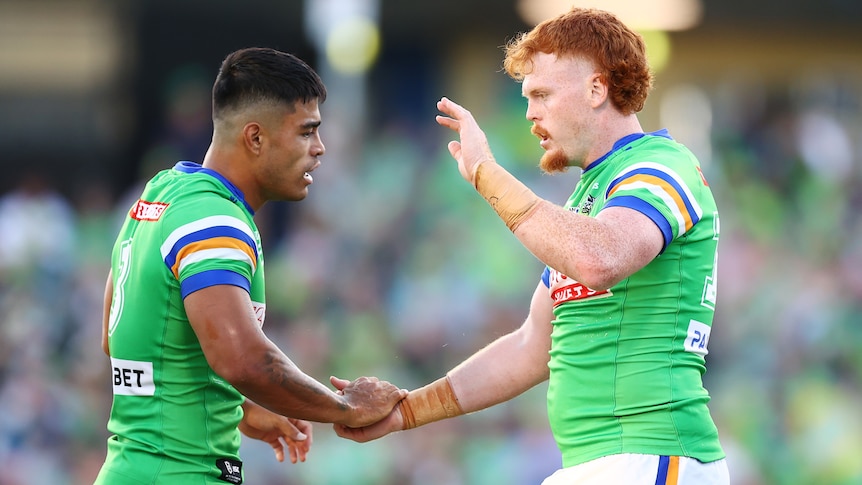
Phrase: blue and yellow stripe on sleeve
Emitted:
{"points": [[211, 251], [630, 189]]}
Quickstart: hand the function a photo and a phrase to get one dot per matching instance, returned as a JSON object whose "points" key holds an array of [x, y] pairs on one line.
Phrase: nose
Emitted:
{"points": [[531, 112], [318, 148]]}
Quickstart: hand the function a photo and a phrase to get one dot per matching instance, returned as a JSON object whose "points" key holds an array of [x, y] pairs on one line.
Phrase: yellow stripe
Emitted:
{"points": [[665, 186], [672, 471], [211, 243]]}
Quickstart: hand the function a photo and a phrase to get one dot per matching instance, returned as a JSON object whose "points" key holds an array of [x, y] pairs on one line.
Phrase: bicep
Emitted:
{"points": [[224, 321], [637, 239]]}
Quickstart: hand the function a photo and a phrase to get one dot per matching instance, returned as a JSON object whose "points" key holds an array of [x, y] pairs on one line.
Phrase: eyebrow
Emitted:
{"points": [[311, 124], [532, 91]]}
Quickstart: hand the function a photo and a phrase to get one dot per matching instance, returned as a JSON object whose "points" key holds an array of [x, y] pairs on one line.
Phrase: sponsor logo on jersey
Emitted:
{"points": [[147, 211], [132, 377], [259, 312], [564, 289], [586, 206], [697, 338], [231, 470]]}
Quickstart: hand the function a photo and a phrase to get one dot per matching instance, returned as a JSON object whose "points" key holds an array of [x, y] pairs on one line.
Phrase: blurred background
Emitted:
{"points": [[393, 266]]}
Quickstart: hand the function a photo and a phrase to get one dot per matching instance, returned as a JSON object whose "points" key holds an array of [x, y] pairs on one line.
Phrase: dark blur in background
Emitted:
{"points": [[393, 266]]}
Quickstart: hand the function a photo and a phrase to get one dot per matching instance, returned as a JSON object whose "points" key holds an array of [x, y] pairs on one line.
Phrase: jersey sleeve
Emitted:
{"points": [[658, 192], [213, 250]]}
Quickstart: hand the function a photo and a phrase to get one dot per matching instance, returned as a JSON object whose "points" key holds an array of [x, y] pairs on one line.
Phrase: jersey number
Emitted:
{"points": [[118, 296], [710, 285]]}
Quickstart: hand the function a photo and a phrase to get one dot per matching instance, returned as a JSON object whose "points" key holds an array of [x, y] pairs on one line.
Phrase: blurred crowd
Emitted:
{"points": [[394, 267]]}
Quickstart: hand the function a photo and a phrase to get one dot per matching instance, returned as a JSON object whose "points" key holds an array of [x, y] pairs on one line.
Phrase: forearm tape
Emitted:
{"points": [[512, 200], [431, 403]]}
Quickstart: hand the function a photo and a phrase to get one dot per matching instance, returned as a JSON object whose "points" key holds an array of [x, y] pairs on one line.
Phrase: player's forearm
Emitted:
{"points": [[576, 245], [501, 371], [274, 382], [507, 195], [497, 373]]}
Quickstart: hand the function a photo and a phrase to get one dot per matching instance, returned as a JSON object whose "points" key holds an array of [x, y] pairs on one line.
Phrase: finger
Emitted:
{"points": [[279, 450], [307, 430], [455, 149], [450, 123], [293, 452], [446, 105], [452, 108], [302, 449], [345, 432], [291, 432], [338, 383]]}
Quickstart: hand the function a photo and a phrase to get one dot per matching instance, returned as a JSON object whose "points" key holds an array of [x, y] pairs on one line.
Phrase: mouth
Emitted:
{"points": [[541, 135], [543, 140], [307, 175]]}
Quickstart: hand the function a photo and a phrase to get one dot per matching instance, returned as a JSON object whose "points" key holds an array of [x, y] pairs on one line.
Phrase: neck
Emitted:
{"points": [[610, 133], [225, 160]]}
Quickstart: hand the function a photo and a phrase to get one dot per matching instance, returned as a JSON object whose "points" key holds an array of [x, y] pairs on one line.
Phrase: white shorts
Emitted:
{"points": [[634, 469]]}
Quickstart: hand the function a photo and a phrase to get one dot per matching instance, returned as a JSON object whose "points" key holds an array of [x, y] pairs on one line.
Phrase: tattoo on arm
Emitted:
{"points": [[283, 373]]}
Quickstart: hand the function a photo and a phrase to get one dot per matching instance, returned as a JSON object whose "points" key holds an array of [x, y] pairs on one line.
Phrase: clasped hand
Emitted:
{"points": [[385, 424]]}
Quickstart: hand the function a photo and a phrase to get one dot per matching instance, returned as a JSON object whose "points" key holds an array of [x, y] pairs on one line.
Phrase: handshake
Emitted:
{"points": [[382, 408], [371, 409]]}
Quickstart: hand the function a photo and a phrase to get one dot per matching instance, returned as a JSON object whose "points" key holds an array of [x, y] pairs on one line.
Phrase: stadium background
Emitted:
{"points": [[393, 266]]}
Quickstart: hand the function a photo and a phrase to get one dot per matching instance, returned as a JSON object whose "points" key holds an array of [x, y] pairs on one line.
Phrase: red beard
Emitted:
{"points": [[552, 161]]}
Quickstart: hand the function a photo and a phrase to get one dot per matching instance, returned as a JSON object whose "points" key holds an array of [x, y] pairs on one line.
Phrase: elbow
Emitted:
{"points": [[599, 282], [236, 371], [598, 275]]}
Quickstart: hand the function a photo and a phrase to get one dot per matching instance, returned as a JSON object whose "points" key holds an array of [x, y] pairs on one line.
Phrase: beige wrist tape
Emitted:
{"points": [[431, 403], [512, 200]]}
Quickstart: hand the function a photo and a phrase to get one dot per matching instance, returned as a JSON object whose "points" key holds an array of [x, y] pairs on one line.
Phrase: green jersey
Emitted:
{"points": [[173, 419], [626, 363]]}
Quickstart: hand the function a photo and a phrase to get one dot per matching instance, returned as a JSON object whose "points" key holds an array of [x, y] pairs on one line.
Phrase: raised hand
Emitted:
{"points": [[473, 148]]}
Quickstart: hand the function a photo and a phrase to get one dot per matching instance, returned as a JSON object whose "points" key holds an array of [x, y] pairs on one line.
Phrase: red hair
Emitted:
{"points": [[617, 51]]}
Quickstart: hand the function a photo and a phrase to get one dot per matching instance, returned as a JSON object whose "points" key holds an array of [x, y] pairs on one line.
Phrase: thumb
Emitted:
{"points": [[455, 149], [338, 383], [290, 431]]}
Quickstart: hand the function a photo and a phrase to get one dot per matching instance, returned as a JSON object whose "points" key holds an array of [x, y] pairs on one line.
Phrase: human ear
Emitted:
{"points": [[252, 137], [598, 90]]}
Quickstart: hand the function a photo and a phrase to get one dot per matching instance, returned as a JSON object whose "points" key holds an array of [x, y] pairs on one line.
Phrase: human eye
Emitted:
{"points": [[310, 131], [537, 95]]}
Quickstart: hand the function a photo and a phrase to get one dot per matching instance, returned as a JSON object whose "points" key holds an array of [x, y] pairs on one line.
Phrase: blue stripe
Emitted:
{"points": [[661, 476], [667, 178], [663, 133], [213, 277], [210, 232], [546, 277], [646, 209], [192, 167]]}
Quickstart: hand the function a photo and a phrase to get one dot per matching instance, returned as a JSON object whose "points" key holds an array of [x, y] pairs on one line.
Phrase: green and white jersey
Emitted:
{"points": [[173, 419], [626, 363]]}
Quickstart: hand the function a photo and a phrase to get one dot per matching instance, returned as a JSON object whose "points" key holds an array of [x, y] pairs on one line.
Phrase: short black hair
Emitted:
{"points": [[255, 74]]}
